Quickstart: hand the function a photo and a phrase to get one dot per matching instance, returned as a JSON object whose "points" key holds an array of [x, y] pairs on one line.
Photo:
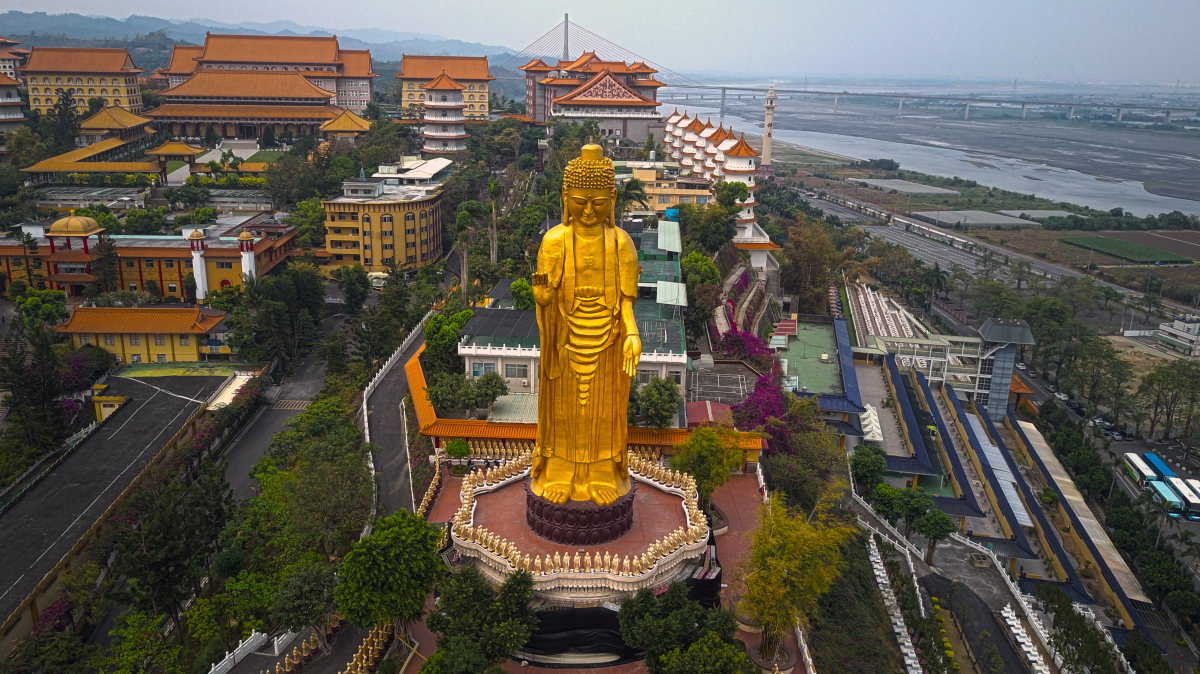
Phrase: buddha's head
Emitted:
{"points": [[589, 188]]}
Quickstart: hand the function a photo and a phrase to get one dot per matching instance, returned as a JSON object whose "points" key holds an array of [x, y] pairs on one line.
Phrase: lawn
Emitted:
{"points": [[1126, 250], [175, 165], [265, 156]]}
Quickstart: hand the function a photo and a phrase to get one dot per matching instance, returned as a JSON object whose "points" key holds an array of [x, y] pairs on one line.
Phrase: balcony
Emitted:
{"points": [[448, 104]]}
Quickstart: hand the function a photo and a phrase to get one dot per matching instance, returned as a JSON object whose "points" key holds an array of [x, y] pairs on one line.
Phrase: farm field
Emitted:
{"points": [[1125, 249], [1044, 244], [1182, 242]]}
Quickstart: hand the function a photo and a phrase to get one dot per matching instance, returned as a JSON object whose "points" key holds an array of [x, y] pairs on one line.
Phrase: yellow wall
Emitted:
{"points": [[663, 193], [411, 93], [173, 348], [43, 89], [345, 229]]}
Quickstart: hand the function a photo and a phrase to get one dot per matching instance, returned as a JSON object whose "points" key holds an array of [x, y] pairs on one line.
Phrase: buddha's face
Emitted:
{"points": [[588, 207]]}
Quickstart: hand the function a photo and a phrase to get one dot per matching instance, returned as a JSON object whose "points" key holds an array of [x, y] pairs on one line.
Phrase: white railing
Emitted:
{"points": [[245, 647], [282, 641], [484, 350], [762, 482], [805, 656], [669, 357]]}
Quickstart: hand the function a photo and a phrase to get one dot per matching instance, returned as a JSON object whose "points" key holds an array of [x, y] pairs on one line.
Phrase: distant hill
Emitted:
{"points": [[36, 28]]}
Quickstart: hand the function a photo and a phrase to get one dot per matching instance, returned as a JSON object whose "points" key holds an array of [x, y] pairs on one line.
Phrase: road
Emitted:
{"points": [[928, 250], [37, 531]]}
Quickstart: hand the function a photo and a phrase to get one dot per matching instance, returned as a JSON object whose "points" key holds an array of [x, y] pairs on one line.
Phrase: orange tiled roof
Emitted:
{"points": [[466, 68], [431, 425], [253, 84], [80, 154], [183, 59], [180, 253], [79, 60], [649, 82], [741, 149], [140, 320], [443, 82], [357, 63], [754, 245], [71, 255], [1017, 386], [536, 65], [696, 126], [347, 122], [113, 117], [605, 89], [6, 81], [72, 278], [174, 148], [53, 166], [219, 111], [270, 48]]}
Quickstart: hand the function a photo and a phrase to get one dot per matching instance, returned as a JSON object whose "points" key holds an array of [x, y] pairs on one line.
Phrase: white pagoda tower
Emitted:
{"points": [[443, 121]]}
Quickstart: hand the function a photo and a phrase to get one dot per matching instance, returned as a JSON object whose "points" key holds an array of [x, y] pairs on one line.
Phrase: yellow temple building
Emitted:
{"points": [[471, 72], [149, 334], [86, 72]]}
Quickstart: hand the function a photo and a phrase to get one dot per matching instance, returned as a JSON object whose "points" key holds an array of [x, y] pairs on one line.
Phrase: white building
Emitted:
{"points": [[1182, 335], [444, 129]]}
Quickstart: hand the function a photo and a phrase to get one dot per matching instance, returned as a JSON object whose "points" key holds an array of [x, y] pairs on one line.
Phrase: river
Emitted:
{"points": [[1008, 173]]}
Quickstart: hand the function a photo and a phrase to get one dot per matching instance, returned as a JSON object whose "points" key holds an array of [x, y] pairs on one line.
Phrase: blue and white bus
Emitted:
{"points": [[1165, 494], [1158, 465], [1137, 470], [1191, 501]]}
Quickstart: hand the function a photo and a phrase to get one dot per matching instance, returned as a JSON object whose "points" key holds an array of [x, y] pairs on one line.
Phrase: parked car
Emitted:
{"points": [[1075, 406], [1021, 366], [1051, 388], [1032, 374], [1061, 396]]}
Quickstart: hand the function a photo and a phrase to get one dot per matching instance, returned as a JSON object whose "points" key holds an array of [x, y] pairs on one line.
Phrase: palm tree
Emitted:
{"points": [[632, 191], [1158, 512], [493, 191], [1189, 548], [938, 279]]}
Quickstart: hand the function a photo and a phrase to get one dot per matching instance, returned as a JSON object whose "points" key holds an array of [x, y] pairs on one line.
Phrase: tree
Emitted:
{"points": [[308, 216], [1150, 304], [335, 352], [522, 294], [901, 504], [868, 464], [305, 599], [442, 334], [106, 266], [794, 560], [488, 388], [632, 191], [807, 262], [708, 455], [478, 627], [59, 652], [935, 526], [386, 576], [139, 646], [62, 123], [449, 391], [268, 136], [658, 402], [670, 621], [728, 193], [355, 286], [709, 655], [95, 104], [39, 308], [210, 136], [146, 220]]}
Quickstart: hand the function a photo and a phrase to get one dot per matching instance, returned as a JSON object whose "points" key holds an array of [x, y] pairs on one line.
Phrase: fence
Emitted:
{"points": [[245, 647]]}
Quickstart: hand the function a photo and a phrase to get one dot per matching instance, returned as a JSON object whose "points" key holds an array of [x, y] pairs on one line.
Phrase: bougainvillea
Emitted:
{"points": [[765, 402]]}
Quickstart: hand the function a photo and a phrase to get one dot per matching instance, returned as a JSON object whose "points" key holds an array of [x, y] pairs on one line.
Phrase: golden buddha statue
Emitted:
{"points": [[585, 287]]}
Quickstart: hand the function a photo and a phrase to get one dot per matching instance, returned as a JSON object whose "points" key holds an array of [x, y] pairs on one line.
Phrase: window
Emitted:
{"points": [[135, 358], [412, 258], [135, 340], [516, 371], [676, 376], [644, 376], [185, 340], [129, 264], [149, 264], [85, 339], [162, 358], [385, 219], [159, 340], [481, 368], [169, 264], [172, 288], [133, 286], [224, 264], [367, 261], [110, 340]]}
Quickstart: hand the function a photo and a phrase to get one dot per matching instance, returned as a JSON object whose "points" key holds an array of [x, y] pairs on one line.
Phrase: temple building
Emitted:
{"points": [[393, 217], [623, 97], [345, 73], [150, 334], [214, 256], [86, 72], [114, 122], [241, 103], [12, 58], [718, 154], [12, 115], [443, 130], [470, 71]]}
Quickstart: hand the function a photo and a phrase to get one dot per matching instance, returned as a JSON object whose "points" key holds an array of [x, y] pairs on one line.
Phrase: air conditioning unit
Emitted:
{"points": [[524, 382]]}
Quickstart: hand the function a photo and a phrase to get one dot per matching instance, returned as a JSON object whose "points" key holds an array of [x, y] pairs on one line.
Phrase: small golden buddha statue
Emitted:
{"points": [[585, 287]]}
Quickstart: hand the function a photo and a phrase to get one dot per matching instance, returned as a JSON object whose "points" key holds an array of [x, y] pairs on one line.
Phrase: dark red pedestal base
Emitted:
{"points": [[579, 522]]}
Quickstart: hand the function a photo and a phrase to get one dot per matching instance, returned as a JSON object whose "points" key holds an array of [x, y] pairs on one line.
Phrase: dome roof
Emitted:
{"points": [[74, 225], [245, 236]]}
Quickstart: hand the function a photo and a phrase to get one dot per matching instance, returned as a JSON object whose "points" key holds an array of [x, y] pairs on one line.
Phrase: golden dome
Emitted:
{"points": [[196, 234], [245, 236], [74, 225]]}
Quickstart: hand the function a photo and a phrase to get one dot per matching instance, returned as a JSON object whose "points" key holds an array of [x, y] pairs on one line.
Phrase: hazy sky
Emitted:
{"points": [[1126, 41]]}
